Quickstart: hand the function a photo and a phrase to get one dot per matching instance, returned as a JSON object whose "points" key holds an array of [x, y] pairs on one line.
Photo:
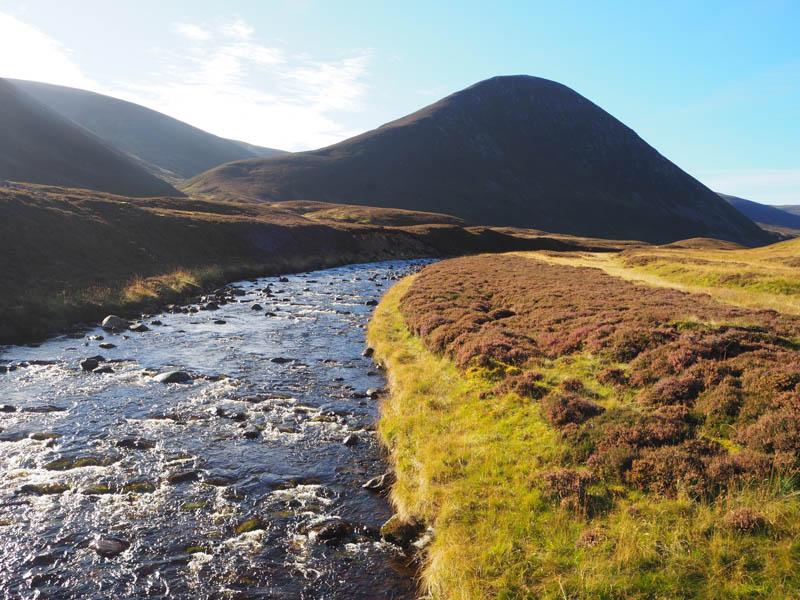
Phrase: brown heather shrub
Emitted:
{"points": [[560, 410], [672, 390], [612, 376], [744, 466], [526, 384], [775, 431], [701, 368], [745, 520], [572, 385], [724, 400], [613, 461], [661, 428], [569, 488], [666, 470]]}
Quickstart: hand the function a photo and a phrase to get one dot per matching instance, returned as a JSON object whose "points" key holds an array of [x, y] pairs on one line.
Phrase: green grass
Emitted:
{"points": [[471, 466]]}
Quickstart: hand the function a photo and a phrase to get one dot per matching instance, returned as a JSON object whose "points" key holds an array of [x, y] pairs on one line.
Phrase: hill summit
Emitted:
{"points": [[38, 145], [509, 151]]}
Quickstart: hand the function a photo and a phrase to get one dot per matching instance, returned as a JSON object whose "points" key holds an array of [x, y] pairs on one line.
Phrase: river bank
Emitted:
{"points": [[71, 256]]}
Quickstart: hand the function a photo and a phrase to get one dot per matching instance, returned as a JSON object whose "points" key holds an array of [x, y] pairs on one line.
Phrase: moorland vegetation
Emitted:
{"points": [[571, 434]]}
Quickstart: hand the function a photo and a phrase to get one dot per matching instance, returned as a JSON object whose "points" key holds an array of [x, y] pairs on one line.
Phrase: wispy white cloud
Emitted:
{"points": [[222, 78], [193, 32], [768, 186], [27, 53]]}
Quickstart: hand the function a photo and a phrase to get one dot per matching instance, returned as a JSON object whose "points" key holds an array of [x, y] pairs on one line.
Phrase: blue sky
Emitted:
{"points": [[714, 86]]}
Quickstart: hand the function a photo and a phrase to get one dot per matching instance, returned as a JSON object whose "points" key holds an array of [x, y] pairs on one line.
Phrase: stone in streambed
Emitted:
{"points": [[7, 408], [139, 327], [136, 443], [43, 489], [251, 433], [351, 440], [331, 532], [110, 547], [368, 352], [107, 345], [44, 408], [183, 476], [401, 533], [114, 323], [89, 364], [173, 377], [381, 483]]}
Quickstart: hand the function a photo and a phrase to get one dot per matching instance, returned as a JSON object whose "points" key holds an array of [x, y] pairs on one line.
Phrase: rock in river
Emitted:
{"points": [[89, 364], [113, 322], [139, 327], [110, 547], [401, 533], [381, 483], [173, 377]]}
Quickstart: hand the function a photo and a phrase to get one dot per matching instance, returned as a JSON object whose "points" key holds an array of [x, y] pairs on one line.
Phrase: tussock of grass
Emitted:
{"points": [[476, 464]]}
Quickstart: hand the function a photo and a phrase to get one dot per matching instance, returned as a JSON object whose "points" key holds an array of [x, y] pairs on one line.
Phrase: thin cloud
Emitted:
{"points": [[221, 78], [193, 32], [31, 54], [233, 85]]}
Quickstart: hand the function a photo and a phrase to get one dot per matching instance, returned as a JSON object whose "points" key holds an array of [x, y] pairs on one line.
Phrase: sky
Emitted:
{"points": [[714, 86]]}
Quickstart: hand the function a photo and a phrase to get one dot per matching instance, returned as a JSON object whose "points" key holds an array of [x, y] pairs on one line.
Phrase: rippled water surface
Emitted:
{"points": [[216, 488]]}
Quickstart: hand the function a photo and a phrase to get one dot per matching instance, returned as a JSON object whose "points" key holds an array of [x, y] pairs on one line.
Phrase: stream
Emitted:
{"points": [[245, 481]]}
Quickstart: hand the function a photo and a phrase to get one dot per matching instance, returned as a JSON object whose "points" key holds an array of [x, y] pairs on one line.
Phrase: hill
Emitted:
{"points": [[790, 208], [769, 217], [70, 255], [167, 147], [38, 145], [519, 151]]}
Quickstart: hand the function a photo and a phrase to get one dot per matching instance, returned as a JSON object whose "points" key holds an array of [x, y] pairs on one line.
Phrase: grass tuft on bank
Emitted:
{"points": [[493, 454]]}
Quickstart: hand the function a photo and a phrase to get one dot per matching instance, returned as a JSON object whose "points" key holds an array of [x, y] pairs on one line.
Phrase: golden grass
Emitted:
{"points": [[469, 467], [766, 277]]}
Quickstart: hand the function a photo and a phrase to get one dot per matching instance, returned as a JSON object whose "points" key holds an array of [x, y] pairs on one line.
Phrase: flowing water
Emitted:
{"points": [[235, 484]]}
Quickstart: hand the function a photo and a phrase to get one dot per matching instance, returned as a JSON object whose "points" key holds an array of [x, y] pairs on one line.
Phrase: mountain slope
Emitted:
{"points": [[39, 146], [763, 213], [790, 208], [519, 151], [167, 147]]}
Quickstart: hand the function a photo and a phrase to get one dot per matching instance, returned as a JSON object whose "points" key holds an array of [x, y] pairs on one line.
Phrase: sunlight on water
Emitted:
{"points": [[236, 484]]}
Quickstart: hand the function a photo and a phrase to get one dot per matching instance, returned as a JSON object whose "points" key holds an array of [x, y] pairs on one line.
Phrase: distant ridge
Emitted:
{"points": [[764, 214], [37, 145], [167, 147], [509, 151]]}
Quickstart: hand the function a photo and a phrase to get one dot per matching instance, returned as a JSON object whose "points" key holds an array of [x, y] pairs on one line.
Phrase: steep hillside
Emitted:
{"points": [[40, 146], [168, 148], [519, 151], [765, 215]]}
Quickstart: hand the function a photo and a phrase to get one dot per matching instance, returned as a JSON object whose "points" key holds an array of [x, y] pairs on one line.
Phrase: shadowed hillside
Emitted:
{"points": [[37, 145], [519, 151], [70, 255], [770, 217], [166, 147]]}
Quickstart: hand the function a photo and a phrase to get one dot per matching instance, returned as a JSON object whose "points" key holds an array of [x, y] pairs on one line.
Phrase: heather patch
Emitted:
{"points": [[685, 395]]}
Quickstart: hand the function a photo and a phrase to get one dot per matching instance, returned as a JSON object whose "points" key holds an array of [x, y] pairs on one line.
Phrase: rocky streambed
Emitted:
{"points": [[218, 450]]}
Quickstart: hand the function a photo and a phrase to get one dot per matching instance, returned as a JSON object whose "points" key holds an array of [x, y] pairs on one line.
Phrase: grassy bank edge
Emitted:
{"points": [[39, 316], [468, 467]]}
